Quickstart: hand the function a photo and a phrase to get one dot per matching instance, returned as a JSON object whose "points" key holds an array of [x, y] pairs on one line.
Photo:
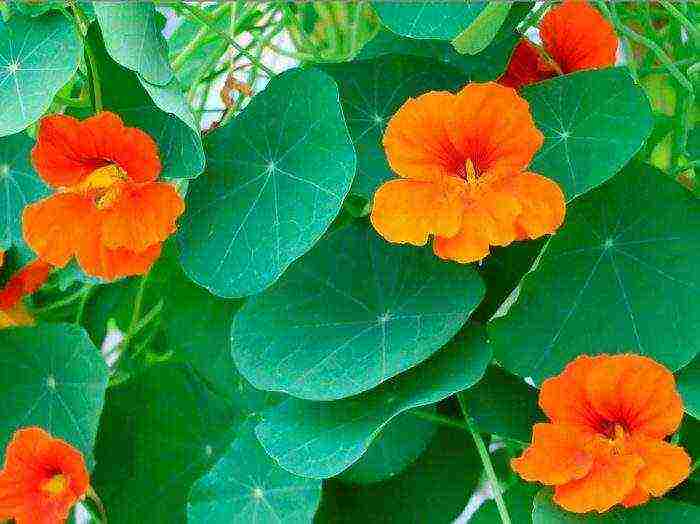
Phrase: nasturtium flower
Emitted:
{"points": [[25, 282], [108, 212], [604, 444], [575, 37], [42, 479], [461, 160]]}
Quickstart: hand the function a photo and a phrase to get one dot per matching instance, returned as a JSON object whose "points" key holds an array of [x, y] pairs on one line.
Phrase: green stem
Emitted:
{"points": [[533, 17], [138, 304], [682, 19], [65, 301], [93, 496], [94, 79], [439, 419], [204, 18], [200, 38], [486, 461]]}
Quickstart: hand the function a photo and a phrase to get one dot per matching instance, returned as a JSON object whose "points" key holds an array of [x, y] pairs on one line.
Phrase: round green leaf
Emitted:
{"points": [[246, 485], [434, 19], [399, 444], [620, 276], [688, 380], [371, 92], [322, 439], [160, 111], [133, 39], [433, 490], [51, 376], [655, 511], [19, 185], [37, 57], [277, 176], [160, 432], [593, 123], [351, 314]]}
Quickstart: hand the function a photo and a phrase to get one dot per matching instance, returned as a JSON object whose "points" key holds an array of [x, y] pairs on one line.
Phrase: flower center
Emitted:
{"points": [[468, 172], [615, 436], [56, 485], [103, 185]]}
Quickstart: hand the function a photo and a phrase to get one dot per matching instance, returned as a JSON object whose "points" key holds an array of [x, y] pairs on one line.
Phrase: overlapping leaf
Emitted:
{"points": [[430, 19], [161, 111], [483, 29], [593, 122], [246, 486], [689, 386], [321, 439], [351, 314], [276, 178], [620, 276], [19, 185], [133, 39], [51, 376], [37, 57]]}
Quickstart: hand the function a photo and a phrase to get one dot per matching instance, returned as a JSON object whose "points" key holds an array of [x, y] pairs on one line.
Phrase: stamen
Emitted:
{"points": [[56, 485], [102, 185], [470, 172]]}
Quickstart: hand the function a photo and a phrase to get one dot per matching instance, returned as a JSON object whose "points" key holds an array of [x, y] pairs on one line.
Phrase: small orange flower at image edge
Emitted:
{"points": [[26, 281], [108, 210], [461, 160], [43, 478], [575, 37], [604, 444]]}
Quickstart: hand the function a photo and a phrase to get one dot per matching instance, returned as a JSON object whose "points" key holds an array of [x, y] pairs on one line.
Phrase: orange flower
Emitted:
{"points": [[575, 36], [25, 282], [42, 479], [605, 442], [461, 160], [108, 212]]}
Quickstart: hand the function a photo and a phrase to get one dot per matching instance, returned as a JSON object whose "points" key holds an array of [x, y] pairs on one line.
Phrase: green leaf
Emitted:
{"points": [[503, 405], [433, 490], [688, 381], [246, 485], [620, 276], [161, 111], [518, 499], [322, 439], [371, 92], [479, 34], [37, 57], [133, 39], [53, 377], [593, 123], [656, 511], [277, 176], [159, 433], [351, 314], [398, 445], [434, 19], [19, 184]]}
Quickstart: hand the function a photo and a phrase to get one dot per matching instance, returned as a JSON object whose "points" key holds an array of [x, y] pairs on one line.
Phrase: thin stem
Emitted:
{"points": [[138, 304], [534, 16], [486, 461], [204, 18], [200, 38], [682, 19], [93, 496], [439, 419]]}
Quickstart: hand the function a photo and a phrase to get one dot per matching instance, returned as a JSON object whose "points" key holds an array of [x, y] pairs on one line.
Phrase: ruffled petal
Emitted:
{"points": [[491, 125], [416, 139], [141, 216], [25, 282], [542, 204], [557, 455], [526, 67], [56, 226], [472, 242], [610, 479], [578, 37], [408, 211], [635, 497], [665, 465]]}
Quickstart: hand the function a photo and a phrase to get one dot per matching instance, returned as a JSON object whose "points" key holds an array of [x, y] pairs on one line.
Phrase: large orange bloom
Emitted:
{"points": [[575, 36], [604, 444], [109, 211], [461, 160], [42, 479]]}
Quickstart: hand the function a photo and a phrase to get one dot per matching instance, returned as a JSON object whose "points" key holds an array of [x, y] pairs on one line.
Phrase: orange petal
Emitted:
{"points": [[110, 264], [578, 37], [2, 258], [526, 67], [557, 455], [503, 208], [609, 481], [542, 202], [25, 282], [665, 465], [68, 150], [471, 244], [141, 216], [416, 140], [55, 227], [635, 497], [491, 125], [15, 316]]}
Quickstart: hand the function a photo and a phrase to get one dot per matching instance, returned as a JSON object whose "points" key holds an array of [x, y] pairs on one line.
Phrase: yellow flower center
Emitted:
{"points": [[616, 438], [57, 485], [102, 184], [470, 172]]}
